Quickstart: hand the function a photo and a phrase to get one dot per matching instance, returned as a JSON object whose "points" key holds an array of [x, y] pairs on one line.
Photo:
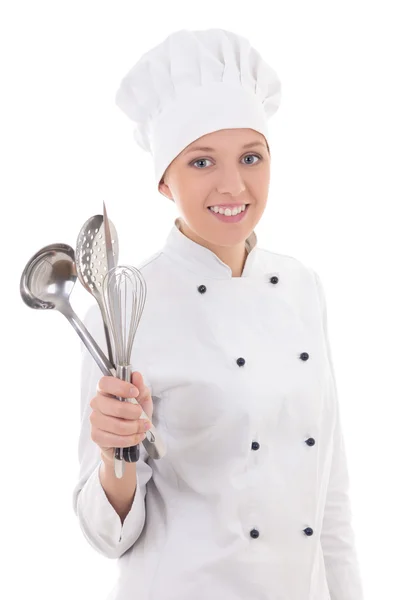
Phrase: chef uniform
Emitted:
{"points": [[251, 500]]}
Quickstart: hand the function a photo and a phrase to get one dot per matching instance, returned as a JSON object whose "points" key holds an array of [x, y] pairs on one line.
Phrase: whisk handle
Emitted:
{"points": [[131, 454]]}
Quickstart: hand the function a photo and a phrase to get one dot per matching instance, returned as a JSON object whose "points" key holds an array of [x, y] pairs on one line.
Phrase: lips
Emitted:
{"points": [[230, 219], [231, 206]]}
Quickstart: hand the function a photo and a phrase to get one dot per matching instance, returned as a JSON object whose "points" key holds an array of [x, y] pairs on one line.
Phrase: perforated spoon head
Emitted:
{"points": [[91, 254]]}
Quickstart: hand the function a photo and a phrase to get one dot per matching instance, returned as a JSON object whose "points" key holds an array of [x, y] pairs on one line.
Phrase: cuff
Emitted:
{"points": [[101, 523]]}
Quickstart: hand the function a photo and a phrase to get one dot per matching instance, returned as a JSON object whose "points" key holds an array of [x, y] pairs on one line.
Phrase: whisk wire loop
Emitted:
{"points": [[124, 292]]}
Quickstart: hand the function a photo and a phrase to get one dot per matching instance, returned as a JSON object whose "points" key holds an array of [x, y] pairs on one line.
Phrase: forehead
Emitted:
{"points": [[235, 133], [224, 138]]}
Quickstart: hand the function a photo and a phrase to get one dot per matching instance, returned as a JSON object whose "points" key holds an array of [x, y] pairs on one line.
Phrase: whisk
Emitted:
{"points": [[124, 295]]}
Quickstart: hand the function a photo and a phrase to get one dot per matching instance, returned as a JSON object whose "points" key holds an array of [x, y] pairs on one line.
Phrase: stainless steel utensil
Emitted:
{"points": [[47, 282], [120, 454], [91, 263], [124, 292]]}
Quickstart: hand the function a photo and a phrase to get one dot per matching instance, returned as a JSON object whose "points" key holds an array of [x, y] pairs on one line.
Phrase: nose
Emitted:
{"points": [[230, 182]]}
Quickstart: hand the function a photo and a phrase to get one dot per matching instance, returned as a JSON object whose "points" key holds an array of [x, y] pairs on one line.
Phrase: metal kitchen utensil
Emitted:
{"points": [[92, 266], [47, 282], [152, 442], [124, 294], [120, 454]]}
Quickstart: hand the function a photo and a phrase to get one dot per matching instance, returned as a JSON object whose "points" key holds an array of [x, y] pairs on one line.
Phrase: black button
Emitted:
{"points": [[254, 533], [255, 446], [310, 441], [240, 362], [274, 279], [304, 356], [202, 289], [308, 531]]}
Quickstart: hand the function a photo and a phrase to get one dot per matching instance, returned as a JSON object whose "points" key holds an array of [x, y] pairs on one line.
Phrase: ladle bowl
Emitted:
{"points": [[47, 282]]}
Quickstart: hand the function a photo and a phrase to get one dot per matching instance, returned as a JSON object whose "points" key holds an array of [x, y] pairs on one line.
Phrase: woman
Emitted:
{"points": [[232, 364]]}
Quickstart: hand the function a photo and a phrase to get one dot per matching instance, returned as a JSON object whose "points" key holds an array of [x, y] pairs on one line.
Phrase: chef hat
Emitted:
{"points": [[194, 83]]}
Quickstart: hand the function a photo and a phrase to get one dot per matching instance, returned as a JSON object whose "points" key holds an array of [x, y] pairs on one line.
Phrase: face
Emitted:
{"points": [[224, 174]]}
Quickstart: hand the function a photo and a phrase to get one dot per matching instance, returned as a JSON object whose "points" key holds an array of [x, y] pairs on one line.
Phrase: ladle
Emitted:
{"points": [[46, 284]]}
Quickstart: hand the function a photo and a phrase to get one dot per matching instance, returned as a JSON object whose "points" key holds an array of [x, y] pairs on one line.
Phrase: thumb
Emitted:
{"points": [[137, 379]]}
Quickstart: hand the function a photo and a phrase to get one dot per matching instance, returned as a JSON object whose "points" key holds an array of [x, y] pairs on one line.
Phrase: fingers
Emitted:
{"points": [[105, 439], [138, 382], [115, 408], [116, 426], [109, 387], [117, 387]]}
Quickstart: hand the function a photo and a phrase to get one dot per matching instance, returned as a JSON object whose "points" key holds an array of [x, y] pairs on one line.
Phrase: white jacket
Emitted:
{"points": [[251, 500]]}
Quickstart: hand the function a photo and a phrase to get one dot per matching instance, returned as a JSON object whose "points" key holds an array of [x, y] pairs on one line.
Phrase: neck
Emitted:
{"points": [[233, 256]]}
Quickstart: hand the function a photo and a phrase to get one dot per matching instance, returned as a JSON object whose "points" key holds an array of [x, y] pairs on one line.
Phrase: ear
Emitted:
{"points": [[164, 189]]}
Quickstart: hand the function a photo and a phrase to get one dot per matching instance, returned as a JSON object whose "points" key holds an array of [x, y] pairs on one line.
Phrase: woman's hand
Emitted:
{"points": [[116, 424]]}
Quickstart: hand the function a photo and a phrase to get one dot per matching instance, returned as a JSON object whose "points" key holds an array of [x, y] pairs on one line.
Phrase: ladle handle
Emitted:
{"points": [[131, 454], [104, 364]]}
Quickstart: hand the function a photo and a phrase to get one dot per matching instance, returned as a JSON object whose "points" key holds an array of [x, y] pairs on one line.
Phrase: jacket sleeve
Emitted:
{"points": [[99, 522], [337, 536]]}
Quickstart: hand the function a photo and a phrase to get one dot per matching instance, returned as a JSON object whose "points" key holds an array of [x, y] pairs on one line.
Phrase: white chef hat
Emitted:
{"points": [[194, 83]]}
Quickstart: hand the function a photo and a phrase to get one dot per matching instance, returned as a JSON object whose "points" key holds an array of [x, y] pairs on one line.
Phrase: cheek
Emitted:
{"points": [[194, 214], [260, 187], [193, 197]]}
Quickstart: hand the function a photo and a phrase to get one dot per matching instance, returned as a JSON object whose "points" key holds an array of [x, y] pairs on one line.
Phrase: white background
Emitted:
{"points": [[333, 204]]}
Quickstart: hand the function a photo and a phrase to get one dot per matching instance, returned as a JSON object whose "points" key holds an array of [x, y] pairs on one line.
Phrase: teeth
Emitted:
{"points": [[227, 211]]}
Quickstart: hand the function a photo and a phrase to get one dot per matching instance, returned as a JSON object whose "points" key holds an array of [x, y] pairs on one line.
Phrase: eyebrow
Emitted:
{"points": [[208, 149]]}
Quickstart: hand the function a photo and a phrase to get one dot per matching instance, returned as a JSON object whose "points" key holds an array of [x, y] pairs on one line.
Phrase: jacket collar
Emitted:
{"points": [[202, 261]]}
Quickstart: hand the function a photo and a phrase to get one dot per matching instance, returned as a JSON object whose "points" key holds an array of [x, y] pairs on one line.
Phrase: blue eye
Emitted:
{"points": [[205, 159]]}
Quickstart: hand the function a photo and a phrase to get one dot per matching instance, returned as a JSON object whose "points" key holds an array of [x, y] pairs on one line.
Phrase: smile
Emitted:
{"points": [[230, 218]]}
